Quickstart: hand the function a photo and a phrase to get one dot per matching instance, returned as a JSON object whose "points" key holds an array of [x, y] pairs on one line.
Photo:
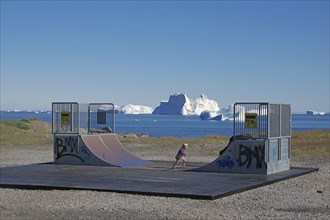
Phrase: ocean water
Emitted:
{"points": [[178, 126]]}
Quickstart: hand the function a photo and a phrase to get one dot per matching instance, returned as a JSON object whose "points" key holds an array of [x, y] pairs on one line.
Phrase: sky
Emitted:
{"points": [[141, 52]]}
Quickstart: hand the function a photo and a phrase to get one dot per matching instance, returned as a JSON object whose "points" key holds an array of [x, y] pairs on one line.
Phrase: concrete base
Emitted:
{"points": [[156, 179]]}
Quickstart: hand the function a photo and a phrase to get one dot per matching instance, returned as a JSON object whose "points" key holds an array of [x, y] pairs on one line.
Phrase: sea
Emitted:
{"points": [[177, 125]]}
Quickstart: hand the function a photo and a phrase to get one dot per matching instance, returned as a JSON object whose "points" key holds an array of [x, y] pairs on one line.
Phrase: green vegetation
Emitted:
{"points": [[314, 143], [311, 143], [16, 124], [167, 146], [25, 132], [32, 132]]}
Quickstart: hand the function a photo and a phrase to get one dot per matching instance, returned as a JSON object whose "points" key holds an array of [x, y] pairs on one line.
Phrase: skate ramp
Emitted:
{"points": [[117, 148], [95, 150], [253, 156], [239, 156]]}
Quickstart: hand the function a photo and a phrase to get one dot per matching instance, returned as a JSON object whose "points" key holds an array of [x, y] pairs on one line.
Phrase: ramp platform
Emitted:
{"points": [[94, 149], [155, 179], [84, 134]]}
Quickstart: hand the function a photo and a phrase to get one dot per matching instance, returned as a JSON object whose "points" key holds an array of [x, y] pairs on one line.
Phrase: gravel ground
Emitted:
{"points": [[304, 197]]}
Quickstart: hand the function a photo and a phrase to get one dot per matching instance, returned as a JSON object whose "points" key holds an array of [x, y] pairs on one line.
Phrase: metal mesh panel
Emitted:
{"points": [[250, 119], [83, 108], [285, 120], [71, 117], [274, 120], [101, 117], [65, 118], [262, 120]]}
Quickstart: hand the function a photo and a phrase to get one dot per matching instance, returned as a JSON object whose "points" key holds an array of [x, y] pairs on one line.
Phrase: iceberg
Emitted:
{"points": [[310, 112], [180, 104], [207, 115], [225, 114], [134, 109], [128, 109], [174, 106]]}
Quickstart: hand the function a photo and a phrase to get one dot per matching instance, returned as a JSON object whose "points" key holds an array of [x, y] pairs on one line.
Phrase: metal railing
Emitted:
{"points": [[71, 117], [262, 120], [101, 116], [65, 117]]}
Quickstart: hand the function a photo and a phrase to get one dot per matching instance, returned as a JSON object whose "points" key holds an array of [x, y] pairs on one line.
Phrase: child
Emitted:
{"points": [[181, 156]]}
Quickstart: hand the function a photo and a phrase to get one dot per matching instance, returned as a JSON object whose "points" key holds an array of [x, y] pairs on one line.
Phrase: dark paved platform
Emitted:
{"points": [[155, 179]]}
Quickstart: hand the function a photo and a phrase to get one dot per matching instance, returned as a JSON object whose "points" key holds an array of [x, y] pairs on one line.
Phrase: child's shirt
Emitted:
{"points": [[181, 152]]}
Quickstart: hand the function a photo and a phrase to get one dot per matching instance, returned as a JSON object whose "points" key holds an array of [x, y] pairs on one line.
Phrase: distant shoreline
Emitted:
{"points": [[180, 126]]}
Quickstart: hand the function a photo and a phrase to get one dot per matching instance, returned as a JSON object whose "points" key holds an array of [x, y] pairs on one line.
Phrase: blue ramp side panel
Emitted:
{"points": [[94, 150]]}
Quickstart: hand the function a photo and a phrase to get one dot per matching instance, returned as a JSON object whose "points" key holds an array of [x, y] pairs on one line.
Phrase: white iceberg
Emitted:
{"points": [[135, 109], [128, 109], [310, 112], [225, 114], [180, 104]]}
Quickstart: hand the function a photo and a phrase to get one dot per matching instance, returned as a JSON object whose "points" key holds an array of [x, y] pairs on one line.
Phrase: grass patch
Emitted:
{"points": [[25, 132], [167, 146], [33, 132], [15, 124], [311, 143], [314, 143]]}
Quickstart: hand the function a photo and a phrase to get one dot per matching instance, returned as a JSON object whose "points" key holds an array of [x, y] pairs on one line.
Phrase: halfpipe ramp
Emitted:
{"points": [[97, 149]]}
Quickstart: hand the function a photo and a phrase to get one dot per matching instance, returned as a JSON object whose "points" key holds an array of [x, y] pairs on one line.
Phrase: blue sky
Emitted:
{"points": [[140, 52]]}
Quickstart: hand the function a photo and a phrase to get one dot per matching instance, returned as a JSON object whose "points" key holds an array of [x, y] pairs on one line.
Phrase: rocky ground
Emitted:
{"points": [[304, 197]]}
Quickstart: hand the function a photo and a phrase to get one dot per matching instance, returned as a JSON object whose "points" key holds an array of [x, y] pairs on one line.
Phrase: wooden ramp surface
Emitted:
{"points": [[108, 148]]}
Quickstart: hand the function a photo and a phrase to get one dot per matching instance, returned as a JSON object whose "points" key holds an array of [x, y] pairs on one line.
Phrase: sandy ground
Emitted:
{"points": [[304, 197]]}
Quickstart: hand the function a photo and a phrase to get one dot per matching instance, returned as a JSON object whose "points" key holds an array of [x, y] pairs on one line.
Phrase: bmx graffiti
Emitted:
{"points": [[248, 155], [227, 161], [67, 146]]}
